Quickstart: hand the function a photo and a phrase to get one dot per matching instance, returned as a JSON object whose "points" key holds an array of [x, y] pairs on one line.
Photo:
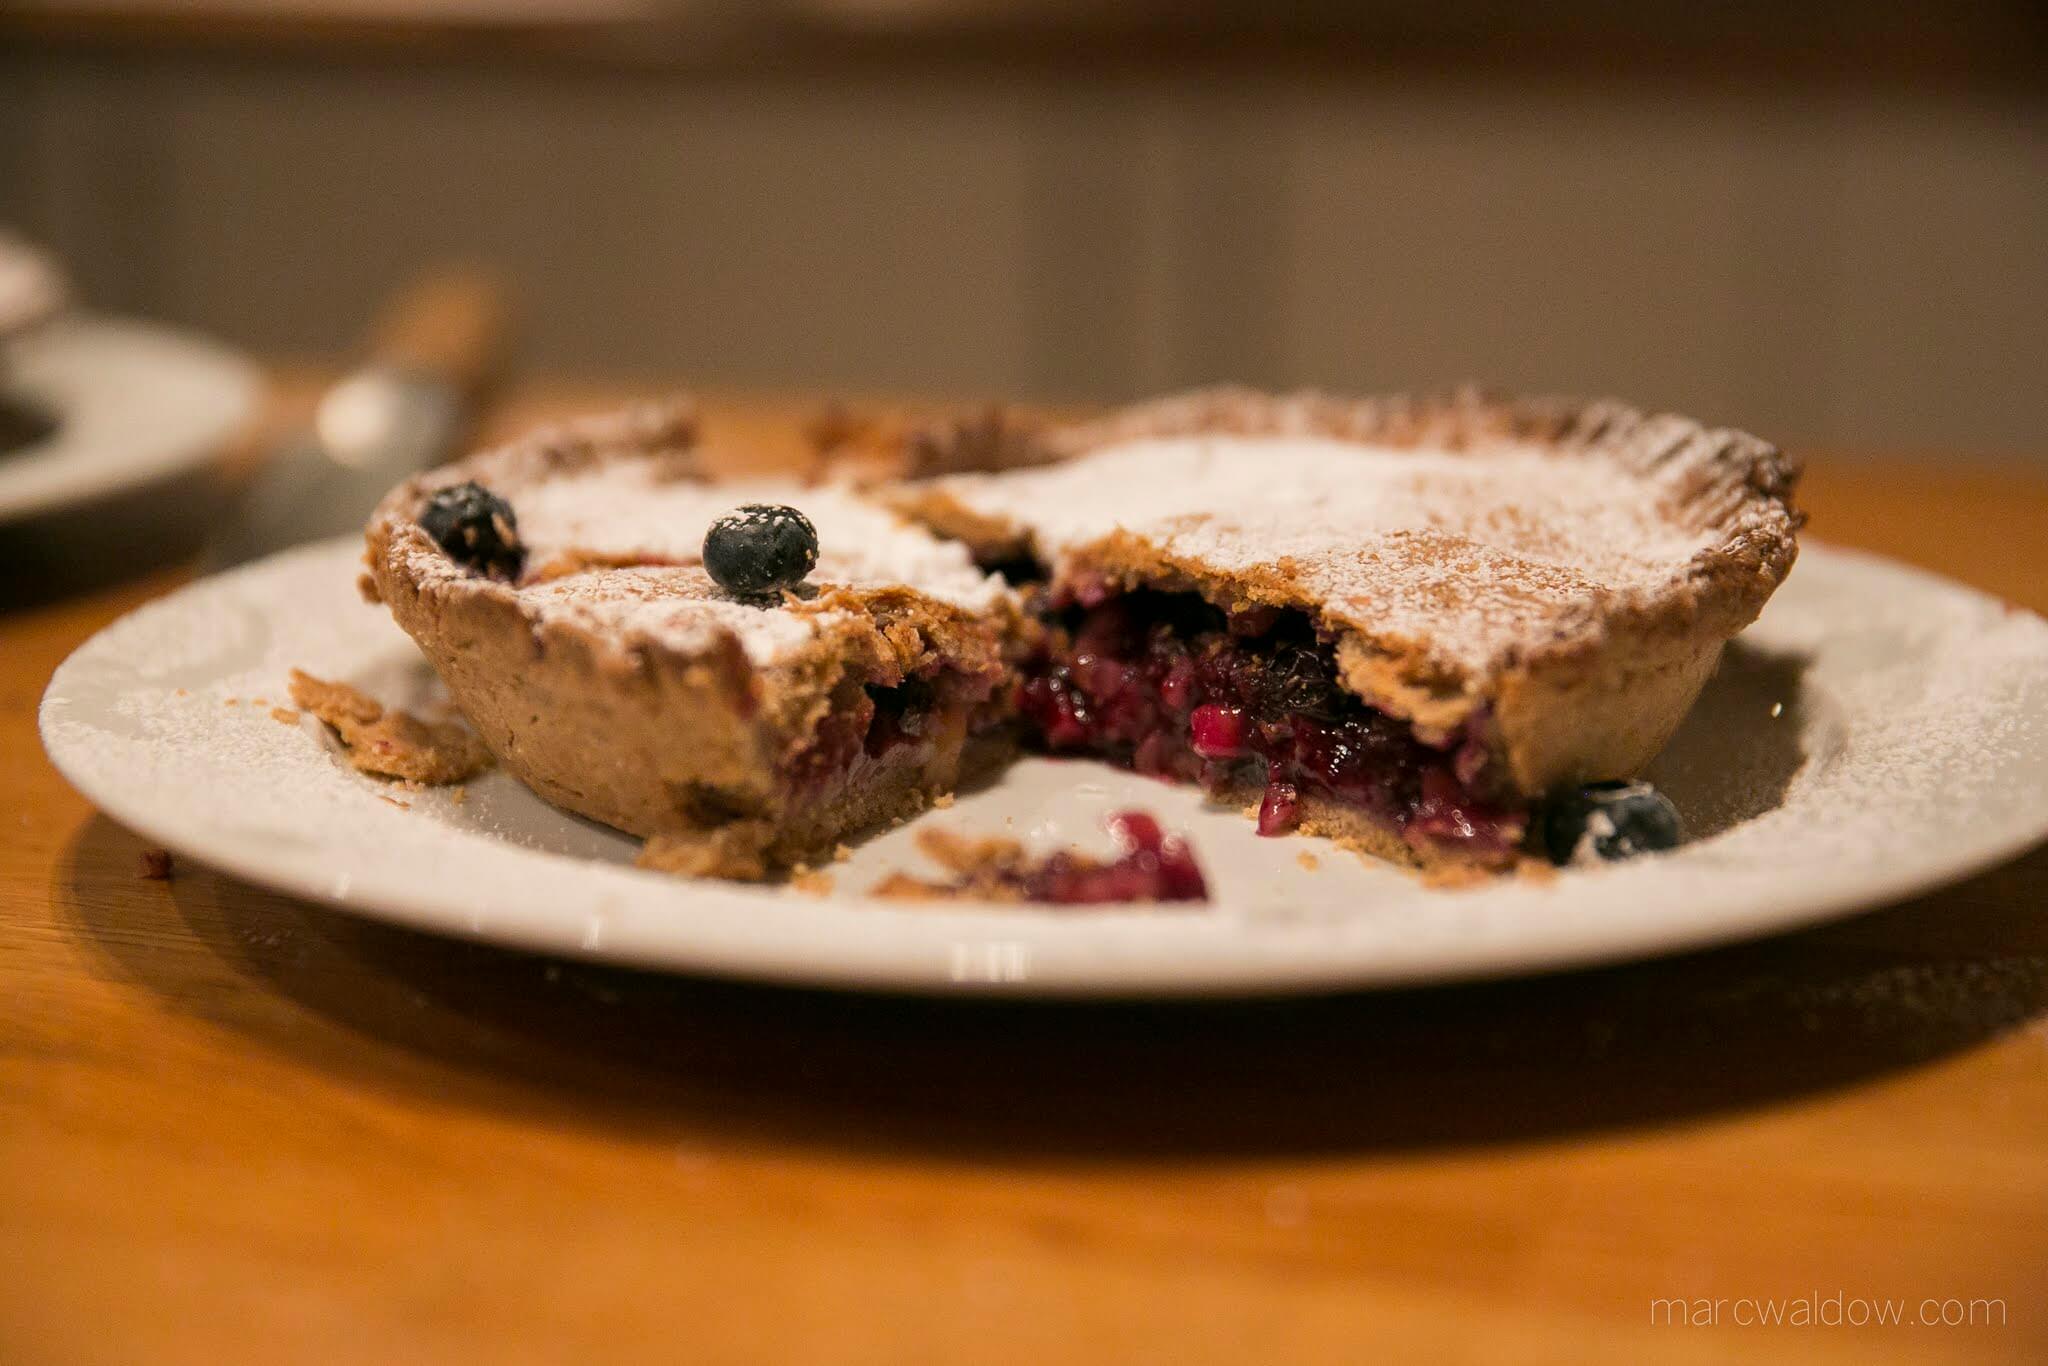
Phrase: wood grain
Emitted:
{"points": [[235, 1127]]}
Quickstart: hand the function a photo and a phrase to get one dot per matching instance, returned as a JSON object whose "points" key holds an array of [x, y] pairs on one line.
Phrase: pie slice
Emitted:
{"points": [[1401, 623], [575, 625]]}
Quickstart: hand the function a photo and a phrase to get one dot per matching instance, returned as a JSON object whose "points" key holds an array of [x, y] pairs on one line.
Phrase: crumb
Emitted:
{"points": [[1308, 860], [259, 701], [231, 702], [737, 851], [391, 743], [459, 794], [904, 887], [1450, 876], [812, 882], [181, 693], [966, 854], [402, 806], [942, 802], [1151, 868], [156, 865], [285, 715], [841, 853], [1537, 870]]}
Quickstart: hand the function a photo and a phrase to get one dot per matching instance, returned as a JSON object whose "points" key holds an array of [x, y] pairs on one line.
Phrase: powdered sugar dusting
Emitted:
{"points": [[625, 509], [1469, 552], [680, 607], [1918, 710]]}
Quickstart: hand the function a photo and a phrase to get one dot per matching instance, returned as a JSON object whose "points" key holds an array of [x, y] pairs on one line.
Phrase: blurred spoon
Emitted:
{"points": [[433, 357]]}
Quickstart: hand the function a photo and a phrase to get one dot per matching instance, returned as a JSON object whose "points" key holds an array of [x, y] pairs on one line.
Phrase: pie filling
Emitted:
{"points": [[873, 725], [1151, 866], [1171, 686]]}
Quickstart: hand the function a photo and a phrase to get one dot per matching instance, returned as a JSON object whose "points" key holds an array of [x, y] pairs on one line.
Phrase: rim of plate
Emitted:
{"points": [[562, 904], [139, 403]]}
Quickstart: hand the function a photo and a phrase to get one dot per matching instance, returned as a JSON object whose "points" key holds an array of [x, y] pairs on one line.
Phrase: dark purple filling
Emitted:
{"points": [[1151, 866], [871, 723], [1168, 685]]}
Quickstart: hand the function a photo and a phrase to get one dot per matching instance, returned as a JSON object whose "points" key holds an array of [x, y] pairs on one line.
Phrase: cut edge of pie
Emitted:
{"points": [[1591, 692]]}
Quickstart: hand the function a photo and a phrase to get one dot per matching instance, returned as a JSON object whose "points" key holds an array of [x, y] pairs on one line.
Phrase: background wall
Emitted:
{"points": [[1852, 264]]}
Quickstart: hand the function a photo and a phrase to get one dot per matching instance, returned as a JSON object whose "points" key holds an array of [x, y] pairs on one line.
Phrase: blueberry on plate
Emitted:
{"points": [[1616, 820], [477, 529], [759, 549]]}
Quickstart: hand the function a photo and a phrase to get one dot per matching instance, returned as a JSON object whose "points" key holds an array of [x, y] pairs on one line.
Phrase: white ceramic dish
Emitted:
{"points": [[136, 405], [1880, 731]]}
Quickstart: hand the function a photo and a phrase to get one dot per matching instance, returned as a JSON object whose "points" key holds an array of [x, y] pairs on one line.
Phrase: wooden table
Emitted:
{"points": [[234, 1127]]}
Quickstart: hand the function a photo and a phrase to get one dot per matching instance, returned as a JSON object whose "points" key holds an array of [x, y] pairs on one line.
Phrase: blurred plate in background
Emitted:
{"points": [[131, 405]]}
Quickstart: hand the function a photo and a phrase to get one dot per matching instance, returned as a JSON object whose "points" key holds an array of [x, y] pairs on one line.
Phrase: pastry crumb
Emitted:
{"points": [[1449, 876], [1308, 860], [943, 801], [402, 806], [387, 742], [738, 851], [285, 715], [841, 852], [1151, 868], [812, 882], [459, 794], [181, 693], [156, 865]]}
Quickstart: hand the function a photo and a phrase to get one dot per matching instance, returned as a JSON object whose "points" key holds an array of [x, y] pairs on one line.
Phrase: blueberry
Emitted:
{"points": [[759, 548], [477, 529], [1621, 820]]}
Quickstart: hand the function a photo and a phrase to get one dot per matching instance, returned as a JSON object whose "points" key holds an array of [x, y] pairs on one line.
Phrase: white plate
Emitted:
{"points": [[1879, 732], [136, 405]]}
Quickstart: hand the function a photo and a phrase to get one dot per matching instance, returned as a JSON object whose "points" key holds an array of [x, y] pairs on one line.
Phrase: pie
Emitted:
{"points": [[1403, 623], [613, 676]]}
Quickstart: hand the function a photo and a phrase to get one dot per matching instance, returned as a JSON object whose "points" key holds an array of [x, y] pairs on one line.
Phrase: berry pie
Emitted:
{"points": [[1442, 631], [740, 672]]}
